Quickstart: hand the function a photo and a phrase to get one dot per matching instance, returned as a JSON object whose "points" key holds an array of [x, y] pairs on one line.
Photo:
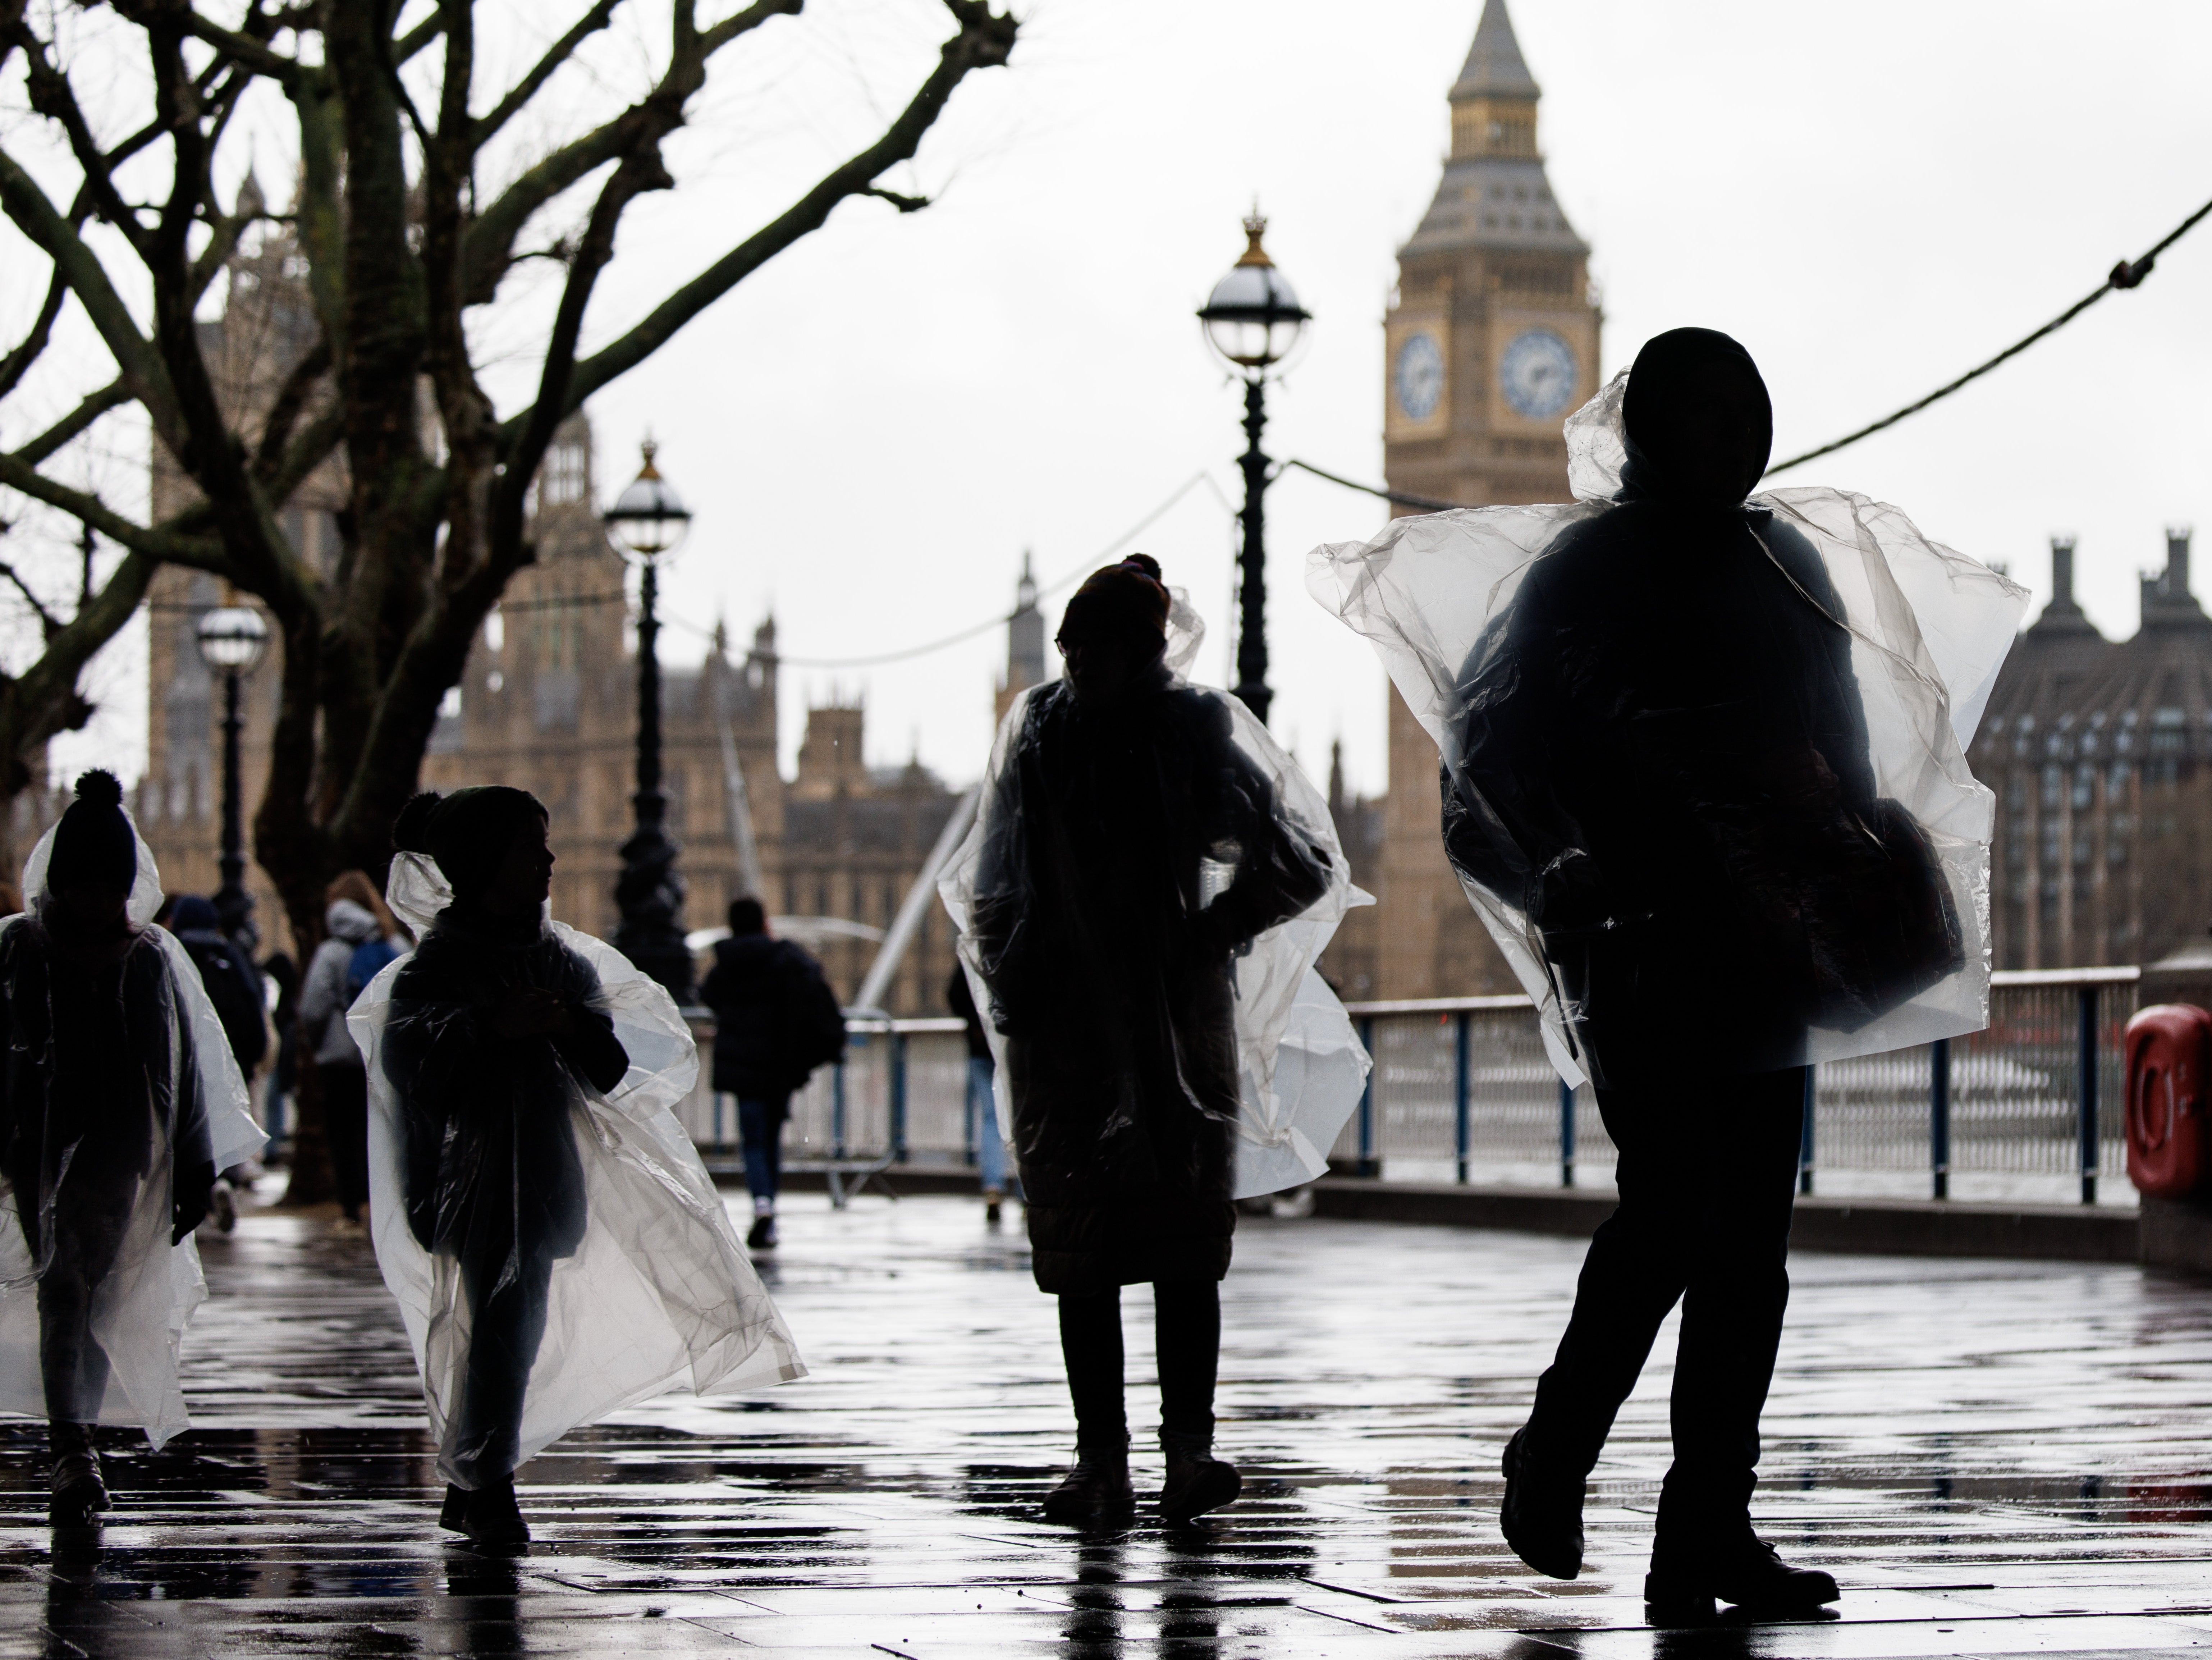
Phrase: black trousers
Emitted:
{"points": [[1707, 1176], [506, 1323], [345, 1120], [1187, 1334]]}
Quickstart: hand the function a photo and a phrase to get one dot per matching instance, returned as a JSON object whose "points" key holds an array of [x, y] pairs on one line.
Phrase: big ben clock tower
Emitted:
{"points": [[1490, 344]]}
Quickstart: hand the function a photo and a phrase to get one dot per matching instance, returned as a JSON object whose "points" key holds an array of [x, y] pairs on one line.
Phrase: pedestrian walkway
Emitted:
{"points": [[1996, 1458]]}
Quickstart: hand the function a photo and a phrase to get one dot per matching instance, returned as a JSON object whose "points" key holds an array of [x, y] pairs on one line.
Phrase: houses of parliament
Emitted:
{"points": [[2099, 752]]}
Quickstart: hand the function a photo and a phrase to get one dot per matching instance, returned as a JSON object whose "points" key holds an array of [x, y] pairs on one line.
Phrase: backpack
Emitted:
{"points": [[233, 986], [815, 1033], [367, 959]]}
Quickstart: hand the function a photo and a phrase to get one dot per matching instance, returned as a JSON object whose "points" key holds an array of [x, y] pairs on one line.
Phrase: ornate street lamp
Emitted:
{"points": [[233, 639], [1253, 320], [648, 521]]}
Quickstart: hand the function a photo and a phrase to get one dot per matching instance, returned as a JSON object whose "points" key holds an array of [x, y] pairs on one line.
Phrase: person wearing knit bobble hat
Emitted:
{"points": [[1128, 851], [118, 1102], [556, 1247]]}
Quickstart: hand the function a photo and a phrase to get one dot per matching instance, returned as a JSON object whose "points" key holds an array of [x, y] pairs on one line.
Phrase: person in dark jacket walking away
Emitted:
{"points": [[357, 945], [775, 1020], [233, 984], [1130, 850], [982, 1104]]}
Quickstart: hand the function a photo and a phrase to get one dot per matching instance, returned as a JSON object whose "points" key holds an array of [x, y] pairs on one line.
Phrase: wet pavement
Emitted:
{"points": [[1995, 1458]]}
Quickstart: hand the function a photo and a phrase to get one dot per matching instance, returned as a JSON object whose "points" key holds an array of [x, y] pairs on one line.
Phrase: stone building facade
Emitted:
{"points": [[1490, 341], [2099, 752]]}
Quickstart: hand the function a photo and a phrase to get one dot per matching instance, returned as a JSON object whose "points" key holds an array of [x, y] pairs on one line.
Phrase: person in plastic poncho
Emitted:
{"points": [[1704, 781], [556, 1248], [118, 1102], [1108, 974]]}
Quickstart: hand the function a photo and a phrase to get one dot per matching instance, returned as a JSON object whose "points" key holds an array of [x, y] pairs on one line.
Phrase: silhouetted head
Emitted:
{"points": [[747, 916], [191, 911], [1116, 628], [1699, 422], [94, 859], [488, 840]]}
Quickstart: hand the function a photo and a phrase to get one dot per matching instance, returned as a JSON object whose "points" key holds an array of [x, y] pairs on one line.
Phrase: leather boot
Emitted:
{"points": [[1096, 1492], [79, 1494], [1686, 1583], [453, 1514], [1542, 1515], [491, 1517], [1197, 1481]]}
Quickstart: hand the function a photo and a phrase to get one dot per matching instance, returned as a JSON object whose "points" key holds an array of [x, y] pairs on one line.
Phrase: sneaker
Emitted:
{"points": [[1683, 1589], [994, 1208], [1197, 1482], [222, 1206], [1541, 1519], [79, 1494], [347, 1227], [1096, 1493], [761, 1235]]}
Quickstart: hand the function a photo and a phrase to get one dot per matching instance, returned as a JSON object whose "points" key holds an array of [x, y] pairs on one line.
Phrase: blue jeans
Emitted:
{"points": [[990, 1145], [760, 1125]]}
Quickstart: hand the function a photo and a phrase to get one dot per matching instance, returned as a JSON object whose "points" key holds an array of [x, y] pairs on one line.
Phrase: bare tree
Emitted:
{"points": [[398, 250]]}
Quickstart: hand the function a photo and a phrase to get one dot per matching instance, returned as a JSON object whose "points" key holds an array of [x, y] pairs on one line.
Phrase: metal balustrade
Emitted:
{"points": [[1462, 1090]]}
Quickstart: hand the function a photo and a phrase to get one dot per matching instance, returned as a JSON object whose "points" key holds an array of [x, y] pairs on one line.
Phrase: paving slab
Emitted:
{"points": [[1994, 1458]]}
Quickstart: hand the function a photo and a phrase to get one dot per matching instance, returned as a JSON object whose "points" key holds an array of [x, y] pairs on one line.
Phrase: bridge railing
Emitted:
{"points": [[2030, 1108]]}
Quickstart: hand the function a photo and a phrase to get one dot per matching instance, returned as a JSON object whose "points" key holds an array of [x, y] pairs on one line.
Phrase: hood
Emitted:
{"points": [[1698, 424], [348, 922], [194, 913], [739, 949]]}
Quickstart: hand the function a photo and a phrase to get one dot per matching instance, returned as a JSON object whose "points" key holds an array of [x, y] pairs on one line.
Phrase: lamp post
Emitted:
{"points": [[1253, 320], [233, 639], [648, 521]]}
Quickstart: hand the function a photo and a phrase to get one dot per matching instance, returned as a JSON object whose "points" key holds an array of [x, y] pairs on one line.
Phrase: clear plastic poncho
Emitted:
{"points": [[196, 1109], [651, 1292], [1632, 798], [1300, 1067]]}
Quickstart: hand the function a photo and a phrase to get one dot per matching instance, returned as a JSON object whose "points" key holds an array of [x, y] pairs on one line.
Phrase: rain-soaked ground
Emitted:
{"points": [[1995, 1458]]}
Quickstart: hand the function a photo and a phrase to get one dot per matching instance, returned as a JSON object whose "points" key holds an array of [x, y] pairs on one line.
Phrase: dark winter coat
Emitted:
{"points": [[228, 975], [486, 1127], [775, 1018], [100, 1080], [1110, 974]]}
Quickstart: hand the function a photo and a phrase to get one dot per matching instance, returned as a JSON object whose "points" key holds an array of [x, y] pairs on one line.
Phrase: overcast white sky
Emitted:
{"points": [[1872, 196]]}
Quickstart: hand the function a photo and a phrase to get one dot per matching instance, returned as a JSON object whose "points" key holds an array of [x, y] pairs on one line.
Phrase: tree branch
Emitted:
{"points": [[13, 366], [113, 395], [284, 413], [159, 543], [49, 624], [985, 41], [51, 97], [482, 130], [44, 700], [743, 21]]}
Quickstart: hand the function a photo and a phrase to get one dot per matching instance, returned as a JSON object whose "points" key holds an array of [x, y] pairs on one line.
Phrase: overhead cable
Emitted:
{"points": [[2127, 274], [1400, 498]]}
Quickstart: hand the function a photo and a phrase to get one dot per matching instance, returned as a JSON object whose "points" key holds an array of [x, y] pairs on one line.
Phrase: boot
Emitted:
{"points": [[994, 1206], [453, 1514], [1197, 1481], [1685, 1585], [1096, 1492], [491, 1517], [1542, 1515], [79, 1494]]}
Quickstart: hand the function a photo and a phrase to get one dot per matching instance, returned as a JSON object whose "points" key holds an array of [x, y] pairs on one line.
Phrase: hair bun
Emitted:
{"points": [[1144, 562], [100, 788], [407, 830]]}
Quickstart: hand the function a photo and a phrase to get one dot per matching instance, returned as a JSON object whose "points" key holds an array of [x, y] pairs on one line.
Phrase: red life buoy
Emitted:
{"points": [[2169, 1049]]}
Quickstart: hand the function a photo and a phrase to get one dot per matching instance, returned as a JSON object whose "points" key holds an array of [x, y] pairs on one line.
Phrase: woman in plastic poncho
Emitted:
{"points": [[1122, 801], [556, 1248], [485, 1018], [104, 1120]]}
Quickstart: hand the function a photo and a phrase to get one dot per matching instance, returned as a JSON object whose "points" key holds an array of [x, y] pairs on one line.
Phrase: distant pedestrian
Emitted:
{"points": [[118, 1101], [554, 1243], [982, 1106], [775, 1021], [232, 984], [1131, 846], [358, 944], [281, 972]]}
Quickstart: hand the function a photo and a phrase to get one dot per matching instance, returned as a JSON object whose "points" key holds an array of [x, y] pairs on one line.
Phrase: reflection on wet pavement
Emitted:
{"points": [[1995, 1458]]}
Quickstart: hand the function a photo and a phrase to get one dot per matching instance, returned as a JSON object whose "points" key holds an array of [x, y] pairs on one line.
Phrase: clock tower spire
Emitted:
{"points": [[1489, 343]]}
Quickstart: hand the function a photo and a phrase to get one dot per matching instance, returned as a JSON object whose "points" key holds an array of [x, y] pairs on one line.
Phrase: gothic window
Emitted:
{"points": [[562, 476], [2054, 787], [2085, 787], [2016, 790]]}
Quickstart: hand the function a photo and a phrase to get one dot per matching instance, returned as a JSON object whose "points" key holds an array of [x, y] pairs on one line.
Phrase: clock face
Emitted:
{"points": [[1537, 374], [1418, 377]]}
